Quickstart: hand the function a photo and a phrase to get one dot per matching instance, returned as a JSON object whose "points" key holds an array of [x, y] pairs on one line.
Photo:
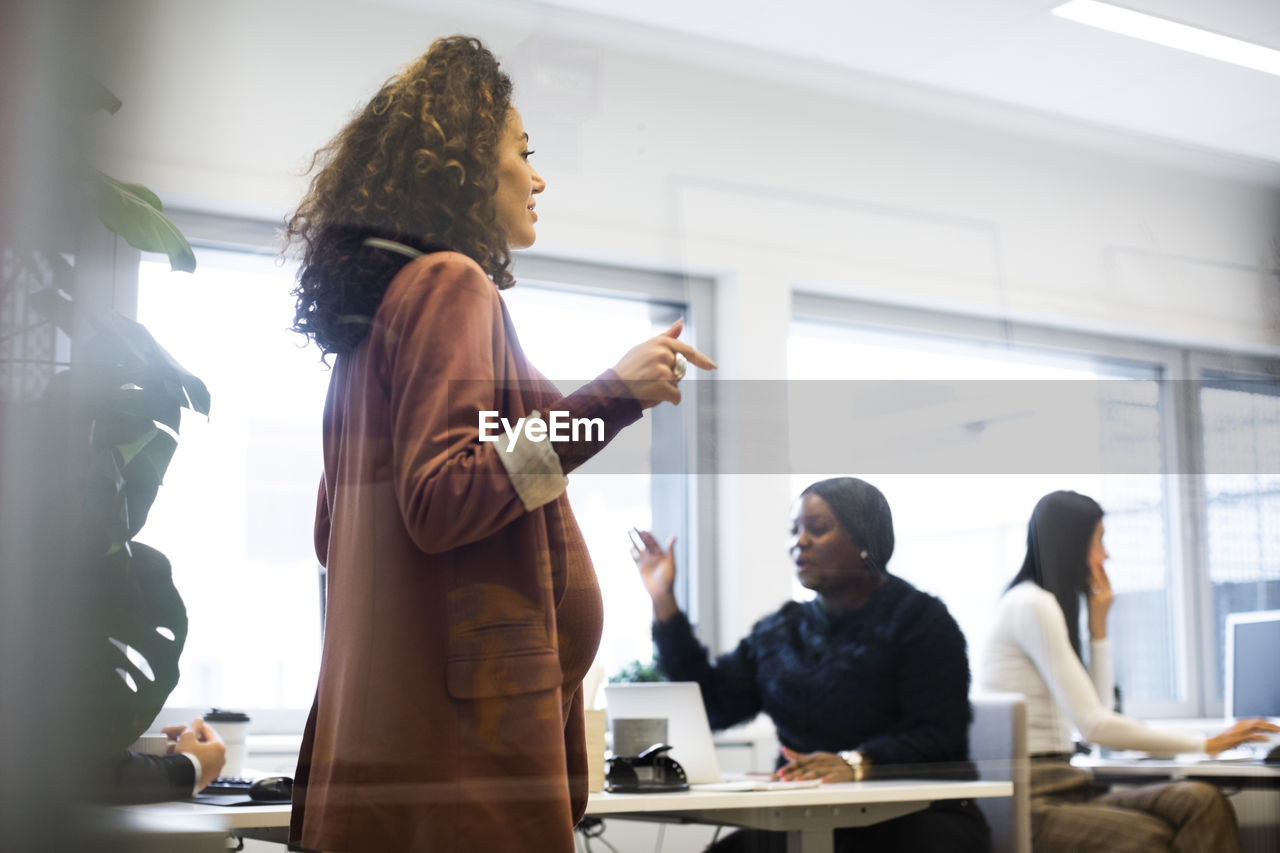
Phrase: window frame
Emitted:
{"points": [[1198, 363], [691, 510], [1186, 521]]}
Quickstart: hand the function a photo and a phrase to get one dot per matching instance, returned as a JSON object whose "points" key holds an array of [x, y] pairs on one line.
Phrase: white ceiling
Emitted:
{"points": [[994, 53]]}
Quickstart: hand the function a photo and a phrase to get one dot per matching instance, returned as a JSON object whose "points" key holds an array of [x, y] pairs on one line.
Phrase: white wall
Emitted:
{"points": [[657, 156]]}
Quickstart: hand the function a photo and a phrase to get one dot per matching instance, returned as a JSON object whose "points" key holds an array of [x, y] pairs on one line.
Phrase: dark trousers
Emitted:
{"points": [[948, 826]]}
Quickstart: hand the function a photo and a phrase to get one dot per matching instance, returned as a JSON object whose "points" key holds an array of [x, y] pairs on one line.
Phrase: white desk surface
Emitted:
{"points": [[896, 791], [204, 816], [1172, 769], [840, 794]]}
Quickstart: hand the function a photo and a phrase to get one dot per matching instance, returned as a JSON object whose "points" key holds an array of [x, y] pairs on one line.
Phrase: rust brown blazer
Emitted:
{"points": [[463, 611]]}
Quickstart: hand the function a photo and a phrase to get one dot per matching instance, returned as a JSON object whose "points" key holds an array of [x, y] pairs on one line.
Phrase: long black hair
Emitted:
{"points": [[1058, 539], [863, 512]]}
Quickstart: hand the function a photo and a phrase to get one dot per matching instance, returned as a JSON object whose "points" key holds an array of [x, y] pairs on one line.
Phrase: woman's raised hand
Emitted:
{"points": [[650, 369], [657, 571], [1245, 731], [1100, 599]]}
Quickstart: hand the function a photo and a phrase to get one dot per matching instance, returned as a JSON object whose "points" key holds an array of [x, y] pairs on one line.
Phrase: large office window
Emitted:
{"points": [[235, 513], [236, 509], [1240, 444], [1187, 473]]}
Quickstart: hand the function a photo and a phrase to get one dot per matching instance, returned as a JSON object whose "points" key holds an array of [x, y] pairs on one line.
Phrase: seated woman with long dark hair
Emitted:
{"points": [[868, 680], [1034, 649]]}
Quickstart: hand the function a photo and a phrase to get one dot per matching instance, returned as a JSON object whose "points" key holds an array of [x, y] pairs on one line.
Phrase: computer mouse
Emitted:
{"points": [[272, 789], [1272, 757]]}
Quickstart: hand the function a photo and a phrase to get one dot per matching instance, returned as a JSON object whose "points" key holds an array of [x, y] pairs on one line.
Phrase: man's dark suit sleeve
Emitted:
{"points": [[139, 778]]}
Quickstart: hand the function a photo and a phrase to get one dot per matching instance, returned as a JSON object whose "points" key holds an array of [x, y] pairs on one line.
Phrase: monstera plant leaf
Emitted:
{"points": [[124, 479], [138, 636], [139, 362], [136, 214], [123, 360], [99, 443], [145, 462], [118, 411]]}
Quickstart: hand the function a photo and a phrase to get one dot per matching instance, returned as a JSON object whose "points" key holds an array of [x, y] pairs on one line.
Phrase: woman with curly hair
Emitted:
{"points": [[463, 610]]}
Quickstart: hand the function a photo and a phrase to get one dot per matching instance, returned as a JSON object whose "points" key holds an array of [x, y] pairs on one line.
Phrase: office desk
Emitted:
{"points": [[808, 815], [1242, 774], [269, 823]]}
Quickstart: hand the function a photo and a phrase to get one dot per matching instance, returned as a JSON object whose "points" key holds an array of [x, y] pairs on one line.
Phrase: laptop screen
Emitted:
{"points": [[680, 704]]}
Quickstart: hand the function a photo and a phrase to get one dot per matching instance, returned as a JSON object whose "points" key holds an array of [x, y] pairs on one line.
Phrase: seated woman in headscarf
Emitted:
{"points": [[1034, 649], [868, 680]]}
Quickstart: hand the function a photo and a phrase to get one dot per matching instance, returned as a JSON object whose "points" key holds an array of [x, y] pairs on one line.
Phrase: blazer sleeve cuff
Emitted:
{"points": [[534, 469]]}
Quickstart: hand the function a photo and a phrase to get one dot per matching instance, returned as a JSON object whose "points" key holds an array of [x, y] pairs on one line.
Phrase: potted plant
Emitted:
{"points": [[636, 671], [97, 443]]}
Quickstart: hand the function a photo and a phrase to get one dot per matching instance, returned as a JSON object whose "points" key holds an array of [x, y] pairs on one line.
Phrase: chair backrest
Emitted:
{"points": [[998, 746]]}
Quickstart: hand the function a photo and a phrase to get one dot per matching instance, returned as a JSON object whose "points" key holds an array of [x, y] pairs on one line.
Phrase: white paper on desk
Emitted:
{"points": [[756, 785], [1231, 756]]}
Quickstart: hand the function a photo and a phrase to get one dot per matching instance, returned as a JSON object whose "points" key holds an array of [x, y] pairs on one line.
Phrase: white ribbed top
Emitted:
{"points": [[1028, 652]]}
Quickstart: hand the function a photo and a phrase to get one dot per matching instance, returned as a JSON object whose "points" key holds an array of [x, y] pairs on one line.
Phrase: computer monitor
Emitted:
{"points": [[1253, 664]]}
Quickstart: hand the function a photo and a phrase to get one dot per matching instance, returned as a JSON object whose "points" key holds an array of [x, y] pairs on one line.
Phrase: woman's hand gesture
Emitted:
{"points": [[657, 571], [1100, 600], [651, 370]]}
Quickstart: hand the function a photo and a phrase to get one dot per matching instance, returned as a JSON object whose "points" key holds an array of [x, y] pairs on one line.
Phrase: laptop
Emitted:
{"points": [[688, 732]]}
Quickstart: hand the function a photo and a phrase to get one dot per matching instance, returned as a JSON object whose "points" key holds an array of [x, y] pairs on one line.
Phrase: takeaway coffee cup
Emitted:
{"points": [[232, 727]]}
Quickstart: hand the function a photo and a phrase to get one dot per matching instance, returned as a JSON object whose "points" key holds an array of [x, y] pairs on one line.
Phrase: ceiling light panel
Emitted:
{"points": [[1179, 36]]}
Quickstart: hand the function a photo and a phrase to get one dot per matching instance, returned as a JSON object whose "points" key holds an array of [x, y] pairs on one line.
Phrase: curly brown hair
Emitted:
{"points": [[418, 166]]}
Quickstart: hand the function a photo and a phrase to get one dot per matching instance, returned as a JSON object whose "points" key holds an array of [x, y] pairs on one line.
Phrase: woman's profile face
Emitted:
{"points": [[518, 183], [825, 555]]}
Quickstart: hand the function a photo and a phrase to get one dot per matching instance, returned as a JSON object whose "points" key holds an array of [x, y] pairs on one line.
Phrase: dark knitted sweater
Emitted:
{"points": [[890, 679]]}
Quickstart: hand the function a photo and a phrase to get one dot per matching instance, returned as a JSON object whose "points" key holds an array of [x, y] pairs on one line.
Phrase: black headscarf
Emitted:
{"points": [[864, 514], [1058, 540]]}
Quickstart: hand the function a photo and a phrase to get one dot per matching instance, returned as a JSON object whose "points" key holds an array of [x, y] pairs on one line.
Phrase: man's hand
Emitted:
{"points": [[200, 740]]}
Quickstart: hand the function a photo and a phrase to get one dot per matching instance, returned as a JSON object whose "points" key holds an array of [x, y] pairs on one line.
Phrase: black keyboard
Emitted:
{"points": [[228, 785]]}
